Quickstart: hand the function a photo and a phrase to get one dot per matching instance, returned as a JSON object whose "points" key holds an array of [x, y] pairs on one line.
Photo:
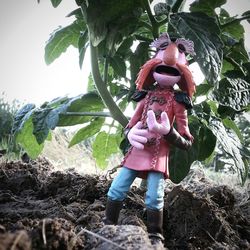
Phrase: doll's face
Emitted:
{"points": [[167, 73]]}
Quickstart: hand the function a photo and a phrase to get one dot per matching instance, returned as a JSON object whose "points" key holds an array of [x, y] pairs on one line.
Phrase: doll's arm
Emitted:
{"points": [[182, 120], [136, 135], [137, 114]]}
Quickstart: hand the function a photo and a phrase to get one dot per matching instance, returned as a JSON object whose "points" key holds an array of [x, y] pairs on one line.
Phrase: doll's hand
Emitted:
{"points": [[138, 136], [160, 128]]}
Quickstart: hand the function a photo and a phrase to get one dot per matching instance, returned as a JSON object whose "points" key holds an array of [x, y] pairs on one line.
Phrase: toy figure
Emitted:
{"points": [[150, 130]]}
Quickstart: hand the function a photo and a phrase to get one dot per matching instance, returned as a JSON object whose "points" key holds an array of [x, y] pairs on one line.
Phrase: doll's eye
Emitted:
{"points": [[181, 48], [163, 45]]}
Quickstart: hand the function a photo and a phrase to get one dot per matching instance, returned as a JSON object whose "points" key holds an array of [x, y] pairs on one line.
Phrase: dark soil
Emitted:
{"points": [[44, 209]]}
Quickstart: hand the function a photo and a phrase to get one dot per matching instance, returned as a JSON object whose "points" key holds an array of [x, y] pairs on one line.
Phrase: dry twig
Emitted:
{"points": [[208, 234], [5, 173], [44, 232], [18, 238], [174, 200], [111, 171]]}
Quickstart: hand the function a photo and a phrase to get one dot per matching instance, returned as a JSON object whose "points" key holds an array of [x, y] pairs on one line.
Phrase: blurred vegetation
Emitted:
{"points": [[8, 146]]}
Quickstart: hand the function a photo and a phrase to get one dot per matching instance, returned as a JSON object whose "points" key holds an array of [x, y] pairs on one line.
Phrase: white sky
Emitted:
{"points": [[25, 26]]}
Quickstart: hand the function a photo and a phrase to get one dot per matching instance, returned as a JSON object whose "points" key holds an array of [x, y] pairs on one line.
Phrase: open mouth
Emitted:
{"points": [[167, 70]]}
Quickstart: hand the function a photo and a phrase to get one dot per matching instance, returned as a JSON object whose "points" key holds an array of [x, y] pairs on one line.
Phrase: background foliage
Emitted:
{"points": [[118, 34], [8, 144]]}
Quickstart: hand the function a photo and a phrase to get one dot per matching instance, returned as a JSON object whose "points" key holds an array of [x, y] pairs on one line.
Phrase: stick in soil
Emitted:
{"points": [[43, 232], [17, 239], [101, 238]]}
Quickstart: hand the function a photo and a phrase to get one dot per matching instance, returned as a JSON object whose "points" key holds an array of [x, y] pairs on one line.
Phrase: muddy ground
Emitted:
{"points": [[45, 209]]}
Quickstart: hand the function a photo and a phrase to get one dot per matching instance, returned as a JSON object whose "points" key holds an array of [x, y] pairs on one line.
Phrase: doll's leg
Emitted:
{"points": [[154, 202], [117, 193]]}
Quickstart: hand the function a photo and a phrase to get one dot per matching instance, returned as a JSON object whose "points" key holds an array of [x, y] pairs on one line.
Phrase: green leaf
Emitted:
{"points": [[55, 103], [204, 140], [82, 46], [119, 66], [61, 39], [204, 32], [21, 116], [202, 148], [227, 66], [103, 147], [55, 3], [238, 54], [203, 89], [213, 106], [207, 7], [77, 13], [90, 102], [137, 59], [206, 143], [233, 92], [233, 147], [247, 13], [27, 140], [161, 9], [124, 49], [113, 19], [79, 2], [202, 111], [86, 132], [227, 122], [179, 165], [235, 29], [44, 120], [142, 52], [226, 111], [91, 84]]}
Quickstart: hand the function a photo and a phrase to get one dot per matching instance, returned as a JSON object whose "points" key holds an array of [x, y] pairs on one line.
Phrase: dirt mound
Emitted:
{"points": [[45, 209]]}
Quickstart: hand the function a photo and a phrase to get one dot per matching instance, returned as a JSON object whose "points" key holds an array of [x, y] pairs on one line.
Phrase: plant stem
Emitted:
{"points": [[235, 64], [178, 5], [164, 21], [98, 114], [154, 23], [235, 21], [105, 73], [142, 38], [115, 111]]}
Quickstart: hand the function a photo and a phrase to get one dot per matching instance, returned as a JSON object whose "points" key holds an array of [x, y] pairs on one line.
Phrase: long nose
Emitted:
{"points": [[171, 54]]}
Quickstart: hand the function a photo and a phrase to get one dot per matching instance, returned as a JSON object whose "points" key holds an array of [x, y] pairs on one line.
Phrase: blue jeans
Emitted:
{"points": [[155, 187]]}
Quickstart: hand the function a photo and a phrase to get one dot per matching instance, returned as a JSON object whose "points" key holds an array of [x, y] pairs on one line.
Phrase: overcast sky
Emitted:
{"points": [[25, 26]]}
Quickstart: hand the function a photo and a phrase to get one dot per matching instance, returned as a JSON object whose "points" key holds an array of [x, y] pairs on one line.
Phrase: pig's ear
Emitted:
{"points": [[145, 76]]}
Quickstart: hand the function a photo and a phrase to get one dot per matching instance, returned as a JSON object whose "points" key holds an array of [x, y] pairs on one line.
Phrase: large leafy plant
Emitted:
{"points": [[110, 29]]}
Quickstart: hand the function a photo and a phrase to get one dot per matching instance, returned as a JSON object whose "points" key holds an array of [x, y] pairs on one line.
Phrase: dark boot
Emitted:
{"points": [[112, 212], [154, 226]]}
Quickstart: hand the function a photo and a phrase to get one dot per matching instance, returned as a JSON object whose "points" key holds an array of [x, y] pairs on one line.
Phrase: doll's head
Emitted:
{"points": [[169, 65]]}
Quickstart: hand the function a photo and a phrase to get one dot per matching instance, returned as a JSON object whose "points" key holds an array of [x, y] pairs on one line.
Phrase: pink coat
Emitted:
{"points": [[154, 156]]}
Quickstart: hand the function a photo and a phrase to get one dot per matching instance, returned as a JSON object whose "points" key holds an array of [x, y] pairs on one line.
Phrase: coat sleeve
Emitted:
{"points": [[182, 120], [137, 114]]}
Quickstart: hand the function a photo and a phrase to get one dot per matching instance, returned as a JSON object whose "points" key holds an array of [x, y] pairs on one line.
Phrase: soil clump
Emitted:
{"points": [[41, 208]]}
